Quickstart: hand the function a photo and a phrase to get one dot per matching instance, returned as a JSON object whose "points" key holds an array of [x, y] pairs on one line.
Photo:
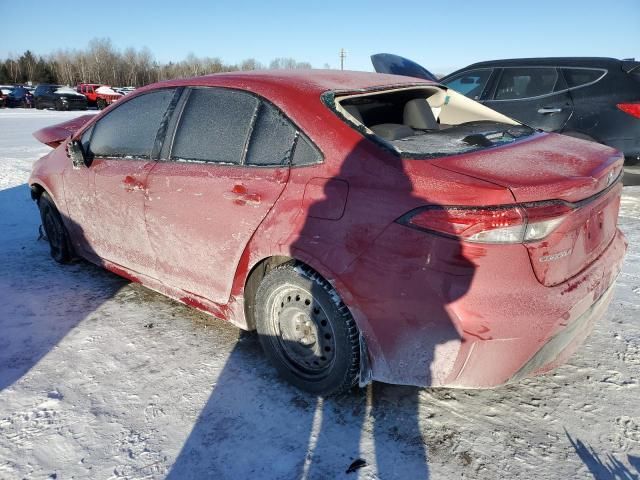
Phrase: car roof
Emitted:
{"points": [[597, 62], [308, 81]]}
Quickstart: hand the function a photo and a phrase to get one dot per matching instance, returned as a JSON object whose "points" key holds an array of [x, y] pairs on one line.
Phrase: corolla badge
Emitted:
{"points": [[555, 256]]}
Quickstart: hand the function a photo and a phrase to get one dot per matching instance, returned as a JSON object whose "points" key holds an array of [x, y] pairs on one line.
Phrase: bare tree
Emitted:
{"points": [[100, 62]]}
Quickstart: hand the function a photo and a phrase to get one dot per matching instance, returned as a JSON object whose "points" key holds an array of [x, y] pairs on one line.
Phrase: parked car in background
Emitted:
{"points": [[368, 226], [58, 97], [19, 97], [595, 99], [99, 96], [124, 90], [5, 90]]}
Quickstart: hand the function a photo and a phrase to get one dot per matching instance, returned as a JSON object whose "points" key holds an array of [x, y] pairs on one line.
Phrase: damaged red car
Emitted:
{"points": [[368, 226]]}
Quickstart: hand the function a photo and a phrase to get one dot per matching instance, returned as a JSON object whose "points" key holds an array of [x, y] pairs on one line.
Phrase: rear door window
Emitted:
{"points": [[130, 129], [517, 83], [577, 77], [471, 83], [214, 126]]}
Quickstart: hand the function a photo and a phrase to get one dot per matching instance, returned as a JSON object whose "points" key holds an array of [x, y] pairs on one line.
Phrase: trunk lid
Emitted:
{"points": [[54, 135], [578, 174], [397, 65]]}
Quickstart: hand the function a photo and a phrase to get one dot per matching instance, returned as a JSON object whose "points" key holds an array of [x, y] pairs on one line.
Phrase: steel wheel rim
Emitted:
{"points": [[303, 334]]}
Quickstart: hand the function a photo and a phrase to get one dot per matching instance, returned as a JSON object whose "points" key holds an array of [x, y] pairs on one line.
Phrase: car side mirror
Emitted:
{"points": [[76, 154]]}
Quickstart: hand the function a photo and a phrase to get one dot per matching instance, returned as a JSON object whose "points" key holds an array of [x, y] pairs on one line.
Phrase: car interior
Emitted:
{"points": [[407, 118]]}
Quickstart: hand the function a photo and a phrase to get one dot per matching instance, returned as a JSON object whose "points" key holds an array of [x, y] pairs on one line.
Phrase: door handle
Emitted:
{"points": [[241, 196], [131, 184], [545, 110]]}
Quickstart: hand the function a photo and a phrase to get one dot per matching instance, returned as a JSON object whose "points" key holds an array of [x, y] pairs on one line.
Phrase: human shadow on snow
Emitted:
{"points": [[254, 426], [609, 468]]}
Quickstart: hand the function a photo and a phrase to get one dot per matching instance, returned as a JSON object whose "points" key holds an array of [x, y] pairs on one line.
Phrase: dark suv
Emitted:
{"points": [[592, 98], [58, 97]]}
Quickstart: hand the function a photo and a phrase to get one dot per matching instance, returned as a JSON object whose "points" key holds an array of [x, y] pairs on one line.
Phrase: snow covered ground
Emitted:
{"points": [[103, 379]]}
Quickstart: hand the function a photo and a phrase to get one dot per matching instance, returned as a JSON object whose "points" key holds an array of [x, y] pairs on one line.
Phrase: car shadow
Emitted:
{"points": [[41, 301], [609, 468], [257, 426]]}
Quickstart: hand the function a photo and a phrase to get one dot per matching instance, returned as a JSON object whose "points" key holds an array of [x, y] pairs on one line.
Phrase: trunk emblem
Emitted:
{"points": [[610, 178], [555, 256]]}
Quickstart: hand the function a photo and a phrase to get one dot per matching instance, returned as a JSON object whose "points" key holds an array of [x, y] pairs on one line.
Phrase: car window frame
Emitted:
{"points": [[559, 70], [174, 123], [160, 133], [467, 72], [604, 71]]}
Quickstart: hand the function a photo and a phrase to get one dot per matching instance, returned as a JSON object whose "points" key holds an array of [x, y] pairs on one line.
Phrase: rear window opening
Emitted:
{"points": [[428, 121]]}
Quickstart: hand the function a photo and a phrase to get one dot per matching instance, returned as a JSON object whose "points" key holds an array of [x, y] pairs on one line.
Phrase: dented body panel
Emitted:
{"points": [[432, 310]]}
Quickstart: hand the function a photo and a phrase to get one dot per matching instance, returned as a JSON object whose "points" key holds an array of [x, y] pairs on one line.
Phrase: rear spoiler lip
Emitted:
{"points": [[54, 135]]}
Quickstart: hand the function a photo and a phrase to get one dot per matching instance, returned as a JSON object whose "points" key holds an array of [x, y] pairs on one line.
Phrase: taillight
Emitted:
{"points": [[632, 109], [503, 224]]}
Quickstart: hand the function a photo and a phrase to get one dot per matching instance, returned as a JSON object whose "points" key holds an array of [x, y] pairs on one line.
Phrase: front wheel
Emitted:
{"points": [[101, 104], [57, 235], [307, 331]]}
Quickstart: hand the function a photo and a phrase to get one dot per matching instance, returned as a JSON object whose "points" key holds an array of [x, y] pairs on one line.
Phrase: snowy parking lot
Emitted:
{"points": [[104, 379]]}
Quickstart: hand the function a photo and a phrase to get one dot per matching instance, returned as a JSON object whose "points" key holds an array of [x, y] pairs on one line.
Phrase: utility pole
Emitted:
{"points": [[343, 55]]}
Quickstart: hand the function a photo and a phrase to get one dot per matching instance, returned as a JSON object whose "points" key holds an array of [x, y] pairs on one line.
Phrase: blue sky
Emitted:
{"points": [[442, 35]]}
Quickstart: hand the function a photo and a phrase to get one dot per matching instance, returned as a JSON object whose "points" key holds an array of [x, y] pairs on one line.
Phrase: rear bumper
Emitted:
{"points": [[435, 312]]}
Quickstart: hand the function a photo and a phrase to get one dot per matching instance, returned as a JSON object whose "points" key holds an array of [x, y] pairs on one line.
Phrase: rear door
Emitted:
{"points": [[225, 168], [536, 96], [122, 149]]}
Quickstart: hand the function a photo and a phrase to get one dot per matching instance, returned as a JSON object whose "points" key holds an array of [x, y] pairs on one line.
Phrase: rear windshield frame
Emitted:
{"points": [[332, 99]]}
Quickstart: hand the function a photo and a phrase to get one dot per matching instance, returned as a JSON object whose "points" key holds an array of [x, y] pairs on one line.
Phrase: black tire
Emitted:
{"points": [[38, 105], [307, 331], [57, 235], [101, 104]]}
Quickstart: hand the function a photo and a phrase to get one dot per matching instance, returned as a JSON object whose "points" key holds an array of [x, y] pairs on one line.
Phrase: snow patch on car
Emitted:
{"points": [[104, 90]]}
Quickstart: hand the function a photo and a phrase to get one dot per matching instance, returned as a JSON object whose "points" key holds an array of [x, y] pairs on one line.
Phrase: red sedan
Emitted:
{"points": [[370, 227]]}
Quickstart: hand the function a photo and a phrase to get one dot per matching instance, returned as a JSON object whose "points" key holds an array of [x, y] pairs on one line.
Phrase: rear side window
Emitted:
{"points": [[305, 153], [130, 130], [470, 84], [517, 83], [577, 77], [272, 138], [214, 126]]}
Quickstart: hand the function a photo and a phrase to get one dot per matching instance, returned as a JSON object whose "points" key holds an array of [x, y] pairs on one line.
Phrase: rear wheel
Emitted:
{"points": [[38, 105], [307, 331], [101, 104], [57, 235]]}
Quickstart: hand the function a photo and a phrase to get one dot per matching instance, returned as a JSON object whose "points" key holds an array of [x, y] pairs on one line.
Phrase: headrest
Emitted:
{"points": [[418, 115]]}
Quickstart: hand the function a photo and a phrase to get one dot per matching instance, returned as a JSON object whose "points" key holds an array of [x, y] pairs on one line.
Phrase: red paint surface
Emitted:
{"points": [[433, 310]]}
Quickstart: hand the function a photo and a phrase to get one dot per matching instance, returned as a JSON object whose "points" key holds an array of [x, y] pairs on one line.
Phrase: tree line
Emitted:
{"points": [[101, 63]]}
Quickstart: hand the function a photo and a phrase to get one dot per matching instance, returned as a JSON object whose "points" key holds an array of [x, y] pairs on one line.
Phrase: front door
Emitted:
{"points": [[228, 164], [121, 152]]}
